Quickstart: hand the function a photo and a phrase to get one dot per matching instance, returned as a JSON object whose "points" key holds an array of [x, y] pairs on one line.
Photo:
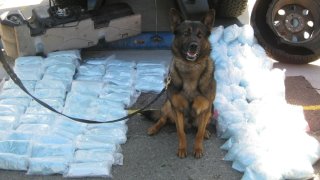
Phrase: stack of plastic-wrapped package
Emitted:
{"points": [[34, 139], [150, 76], [266, 137], [43, 142]]}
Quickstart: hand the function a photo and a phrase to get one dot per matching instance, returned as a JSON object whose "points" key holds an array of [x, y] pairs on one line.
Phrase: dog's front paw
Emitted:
{"points": [[182, 153], [198, 153], [152, 131]]}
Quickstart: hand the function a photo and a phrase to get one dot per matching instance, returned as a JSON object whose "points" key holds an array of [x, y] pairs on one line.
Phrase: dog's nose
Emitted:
{"points": [[193, 46]]}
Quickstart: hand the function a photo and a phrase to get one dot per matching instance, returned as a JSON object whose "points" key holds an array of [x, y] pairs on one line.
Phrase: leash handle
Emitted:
{"points": [[19, 83]]}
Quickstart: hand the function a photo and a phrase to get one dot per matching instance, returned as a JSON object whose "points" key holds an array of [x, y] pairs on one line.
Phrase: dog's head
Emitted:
{"points": [[191, 37]]}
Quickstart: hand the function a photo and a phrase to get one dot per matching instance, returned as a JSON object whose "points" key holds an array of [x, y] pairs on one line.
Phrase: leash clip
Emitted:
{"points": [[168, 80]]}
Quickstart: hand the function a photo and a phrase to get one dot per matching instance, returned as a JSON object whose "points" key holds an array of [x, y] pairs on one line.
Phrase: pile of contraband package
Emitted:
{"points": [[266, 138], [34, 139]]}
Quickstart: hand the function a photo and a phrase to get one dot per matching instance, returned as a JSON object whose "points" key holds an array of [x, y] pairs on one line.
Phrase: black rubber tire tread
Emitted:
{"points": [[269, 41], [231, 8], [287, 58]]}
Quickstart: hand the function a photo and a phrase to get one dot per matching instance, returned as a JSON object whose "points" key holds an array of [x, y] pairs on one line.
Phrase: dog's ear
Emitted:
{"points": [[208, 20], [175, 19]]}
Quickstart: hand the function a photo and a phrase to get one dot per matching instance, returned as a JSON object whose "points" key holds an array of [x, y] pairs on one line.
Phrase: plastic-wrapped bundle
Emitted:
{"points": [[120, 80], [13, 162], [50, 93], [147, 68], [124, 72], [96, 60], [89, 169], [66, 69], [17, 147], [93, 155], [32, 73], [91, 70], [99, 60], [8, 122], [60, 68], [51, 138], [87, 88], [123, 98], [47, 166], [42, 110], [76, 111], [60, 60], [112, 63], [105, 103], [54, 102], [67, 128], [247, 35], [88, 78], [112, 88], [33, 128], [30, 85], [216, 34], [37, 119], [122, 125], [104, 138], [120, 72], [97, 155], [14, 93], [231, 33], [85, 143], [52, 150], [28, 60], [83, 99], [69, 125], [119, 94], [11, 110], [105, 114], [150, 83], [16, 101], [120, 138], [14, 135], [120, 131], [74, 54], [65, 78], [150, 77], [77, 104], [29, 68]]}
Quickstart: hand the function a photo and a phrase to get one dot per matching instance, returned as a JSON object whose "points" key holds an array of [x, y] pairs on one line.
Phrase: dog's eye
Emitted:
{"points": [[199, 34]]}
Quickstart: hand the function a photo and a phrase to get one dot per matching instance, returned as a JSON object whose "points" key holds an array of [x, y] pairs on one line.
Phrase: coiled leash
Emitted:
{"points": [[18, 82]]}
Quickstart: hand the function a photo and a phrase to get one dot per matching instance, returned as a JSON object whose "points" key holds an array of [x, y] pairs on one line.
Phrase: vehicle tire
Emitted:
{"points": [[82, 3], [284, 31], [230, 8]]}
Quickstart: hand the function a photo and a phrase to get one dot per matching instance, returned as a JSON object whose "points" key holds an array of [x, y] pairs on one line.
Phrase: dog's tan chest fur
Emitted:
{"points": [[191, 76]]}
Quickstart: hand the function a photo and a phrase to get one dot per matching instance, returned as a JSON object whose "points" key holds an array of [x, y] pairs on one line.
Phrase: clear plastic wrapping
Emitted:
{"points": [[89, 169], [91, 70], [47, 166]]}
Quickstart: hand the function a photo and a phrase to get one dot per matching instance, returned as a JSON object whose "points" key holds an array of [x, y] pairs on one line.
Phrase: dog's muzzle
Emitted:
{"points": [[192, 51]]}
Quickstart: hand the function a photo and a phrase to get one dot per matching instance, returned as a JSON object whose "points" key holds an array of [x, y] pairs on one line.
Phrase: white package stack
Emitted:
{"points": [[36, 140], [29, 68], [61, 65], [150, 77], [267, 138]]}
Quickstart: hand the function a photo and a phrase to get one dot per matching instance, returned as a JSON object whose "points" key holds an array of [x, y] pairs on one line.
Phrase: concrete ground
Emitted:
{"points": [[154, 157]]}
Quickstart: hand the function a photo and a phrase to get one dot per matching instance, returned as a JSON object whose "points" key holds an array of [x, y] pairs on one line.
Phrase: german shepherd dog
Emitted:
{"points": [[192, 88]]}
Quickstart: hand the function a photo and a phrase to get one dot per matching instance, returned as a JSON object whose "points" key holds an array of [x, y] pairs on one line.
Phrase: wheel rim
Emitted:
{"points": [[294, 23]]}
